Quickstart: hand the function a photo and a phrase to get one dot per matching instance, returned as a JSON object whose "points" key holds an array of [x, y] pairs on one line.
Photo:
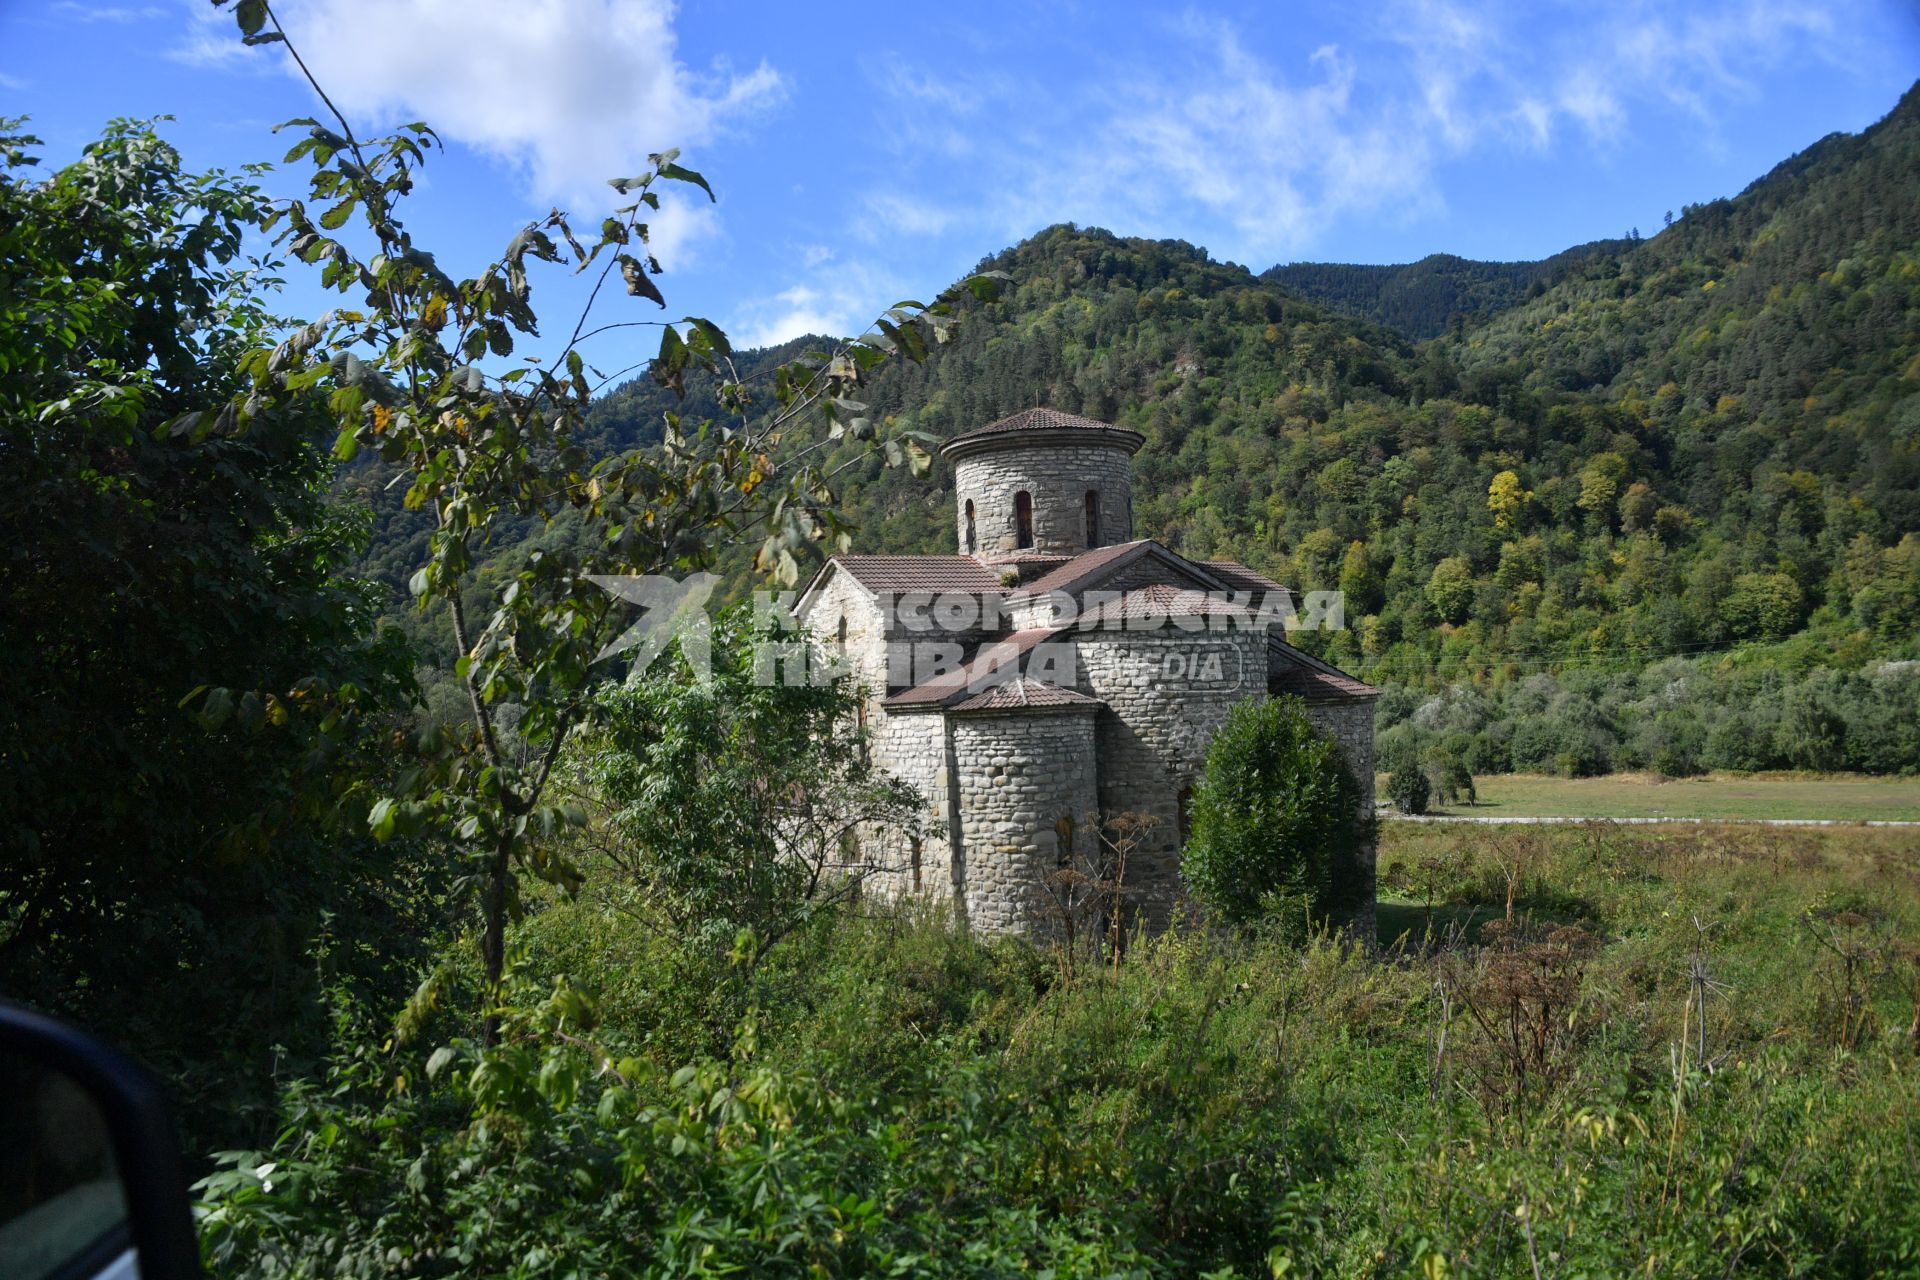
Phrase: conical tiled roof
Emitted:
{"points": [[1047, 420]]}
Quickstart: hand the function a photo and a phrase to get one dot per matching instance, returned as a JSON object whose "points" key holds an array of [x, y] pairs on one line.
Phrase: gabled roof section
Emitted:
{"points": [[1240, 578], [1037, 426], [920, 573], [1090, 568], [959, 683], [1168, 600], [1026, 694], [1291, 670], [894, 574]]}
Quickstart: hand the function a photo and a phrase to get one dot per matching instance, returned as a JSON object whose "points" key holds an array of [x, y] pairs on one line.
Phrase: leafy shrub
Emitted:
{"points": [[909, 1098], [1409, 790], [1783, 708], [728, 802], [1736, 744], [1276, 813]]}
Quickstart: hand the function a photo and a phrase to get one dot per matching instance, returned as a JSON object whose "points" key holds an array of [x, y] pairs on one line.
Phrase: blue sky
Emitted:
{"points": [[863, 154]]}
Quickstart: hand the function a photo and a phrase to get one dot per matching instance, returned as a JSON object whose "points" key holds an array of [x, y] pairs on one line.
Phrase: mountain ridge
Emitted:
{"points": [[1423, 299], [1705, 445]]}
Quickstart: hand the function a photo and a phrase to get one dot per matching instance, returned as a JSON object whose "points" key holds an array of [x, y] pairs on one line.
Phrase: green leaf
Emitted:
{"points": [[380, 819], [336, 217], [251, 15], [346, 445], [639, 283], [217, 708], [680, 173]]}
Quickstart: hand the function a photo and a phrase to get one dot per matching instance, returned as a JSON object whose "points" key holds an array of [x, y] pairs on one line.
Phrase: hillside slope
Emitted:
{"points": [[1707, 443], [1712, 438], [1424, 299]]}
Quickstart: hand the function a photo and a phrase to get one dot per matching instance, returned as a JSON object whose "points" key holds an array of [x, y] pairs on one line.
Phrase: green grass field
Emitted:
{"points": [[1845, 798]]}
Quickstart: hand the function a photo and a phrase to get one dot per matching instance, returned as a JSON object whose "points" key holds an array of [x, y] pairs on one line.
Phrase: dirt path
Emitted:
{"points": [[1511, 820]]}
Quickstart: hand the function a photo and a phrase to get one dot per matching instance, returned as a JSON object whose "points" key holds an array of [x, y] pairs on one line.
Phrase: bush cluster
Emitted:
{"points": [[1679, 718], [1275, 820], [899, 1097]]}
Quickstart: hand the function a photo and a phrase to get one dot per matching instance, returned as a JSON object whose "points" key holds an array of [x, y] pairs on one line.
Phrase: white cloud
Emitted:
{"points": [[890, 213], [1268, 157], [681, 223], [1213, 141], [15, 83], [120, 14], [836, 302], [1492, 71], [792, 312], [958, 96], [571, 92]]}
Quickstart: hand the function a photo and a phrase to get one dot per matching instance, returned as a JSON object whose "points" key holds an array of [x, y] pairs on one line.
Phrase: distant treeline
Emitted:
{"points": [[1424, 299], [1678, 717]]}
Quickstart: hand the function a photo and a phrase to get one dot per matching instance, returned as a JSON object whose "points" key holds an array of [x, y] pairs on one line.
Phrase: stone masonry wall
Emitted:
{"points": [[1152, 737], [1020, 772], [1057, 478], [866, 645], [913, 748]]}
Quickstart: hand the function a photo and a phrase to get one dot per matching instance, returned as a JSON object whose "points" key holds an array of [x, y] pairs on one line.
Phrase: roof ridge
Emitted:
{"points": [[1075, 572]]}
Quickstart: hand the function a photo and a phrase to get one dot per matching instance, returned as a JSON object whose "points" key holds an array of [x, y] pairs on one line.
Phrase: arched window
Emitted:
{"points": [[973, 540], [1063, 843], [1022, 519], [1093, 518], [840, 637]]}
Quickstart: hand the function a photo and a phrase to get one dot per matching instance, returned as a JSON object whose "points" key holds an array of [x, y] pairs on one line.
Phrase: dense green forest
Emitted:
{"points": [[1425, 299], [1702, 446]]}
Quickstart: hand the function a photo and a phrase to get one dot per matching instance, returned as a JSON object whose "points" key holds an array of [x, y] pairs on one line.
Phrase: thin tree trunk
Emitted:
{"points": [[493, 947]]}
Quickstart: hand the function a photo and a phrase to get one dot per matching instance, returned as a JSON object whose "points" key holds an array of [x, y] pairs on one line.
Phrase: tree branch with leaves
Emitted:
{"points": [[421, 369]]}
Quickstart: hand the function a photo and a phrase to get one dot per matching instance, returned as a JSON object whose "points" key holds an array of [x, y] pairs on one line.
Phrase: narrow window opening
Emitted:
{"points": [[1022, 519], [1184, 814], [1063, 851], [916, 864], [1093, 518], [973, 539]]}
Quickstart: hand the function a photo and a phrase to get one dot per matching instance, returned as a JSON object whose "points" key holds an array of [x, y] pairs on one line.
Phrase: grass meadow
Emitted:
{"points": [[1580, 1051]]}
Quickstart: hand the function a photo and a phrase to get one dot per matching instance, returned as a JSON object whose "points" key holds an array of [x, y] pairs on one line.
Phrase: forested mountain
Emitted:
{"points": [[1705, 443], [1423, 299]]}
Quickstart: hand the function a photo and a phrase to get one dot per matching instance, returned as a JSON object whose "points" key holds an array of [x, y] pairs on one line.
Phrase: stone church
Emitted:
{"points": [[1056, 669]]}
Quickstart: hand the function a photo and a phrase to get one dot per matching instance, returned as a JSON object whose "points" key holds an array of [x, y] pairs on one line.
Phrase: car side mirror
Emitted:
{"points": [[91, 1183]]}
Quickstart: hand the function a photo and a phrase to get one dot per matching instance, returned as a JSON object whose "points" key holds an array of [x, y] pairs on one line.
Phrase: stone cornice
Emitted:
{"points": [[1042, 438]]}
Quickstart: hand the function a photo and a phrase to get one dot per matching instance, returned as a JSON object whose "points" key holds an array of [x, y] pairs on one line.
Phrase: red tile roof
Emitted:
{"points": [[920, 573], [1238, 577], [1318, 686], [1165, 600], [1025, 693], [1298, 671], [1042, 420], [1082, 566], [961, 681]]}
